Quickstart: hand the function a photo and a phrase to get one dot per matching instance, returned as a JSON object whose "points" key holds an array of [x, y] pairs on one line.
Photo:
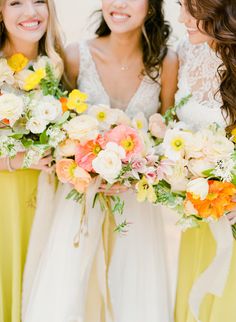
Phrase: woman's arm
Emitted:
{"points": [[72, 64], [169, 78]]}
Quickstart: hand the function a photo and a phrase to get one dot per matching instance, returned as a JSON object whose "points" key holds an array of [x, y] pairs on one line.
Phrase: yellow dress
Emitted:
{"points": [[197, 251], [17, 205]]}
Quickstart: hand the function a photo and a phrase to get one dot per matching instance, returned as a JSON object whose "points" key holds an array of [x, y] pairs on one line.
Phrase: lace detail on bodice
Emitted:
{"points": [[198, 77], [145, 99]]}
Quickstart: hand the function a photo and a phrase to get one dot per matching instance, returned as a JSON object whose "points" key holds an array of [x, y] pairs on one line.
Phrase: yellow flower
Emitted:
{"points": [[33, 80], [17, 62], [145, 191], [177, 143], [233, 132], [77, 101]]}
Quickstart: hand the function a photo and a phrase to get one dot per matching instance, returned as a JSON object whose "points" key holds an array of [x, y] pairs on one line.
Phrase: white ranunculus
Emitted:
{"points": [[218, 147], [104, 115], [82, 128], [108, 165], [178, 178], [198, 166], [114, 147], [11, 107], [199, 188], [48, 109], [6, 73], [36, 125]]}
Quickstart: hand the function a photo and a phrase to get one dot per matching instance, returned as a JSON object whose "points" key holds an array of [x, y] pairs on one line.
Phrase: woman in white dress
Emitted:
{"points": [[207, 72], [128, 66]]}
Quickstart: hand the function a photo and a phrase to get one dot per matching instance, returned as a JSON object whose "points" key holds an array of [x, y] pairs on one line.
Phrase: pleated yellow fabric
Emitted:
{"points": [[17, 206], [197, 251]]}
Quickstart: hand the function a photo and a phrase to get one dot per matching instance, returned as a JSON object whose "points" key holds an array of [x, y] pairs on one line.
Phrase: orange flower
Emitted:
{"points": [[64, 106], [6, 121], [217, 202]]}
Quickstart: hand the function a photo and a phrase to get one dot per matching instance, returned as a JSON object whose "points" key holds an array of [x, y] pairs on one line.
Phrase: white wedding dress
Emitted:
{"points": [[137, 278]]}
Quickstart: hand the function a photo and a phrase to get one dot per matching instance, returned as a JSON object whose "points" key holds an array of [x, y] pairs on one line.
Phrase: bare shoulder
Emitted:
{"points": [[170, 62], [72, 62]]}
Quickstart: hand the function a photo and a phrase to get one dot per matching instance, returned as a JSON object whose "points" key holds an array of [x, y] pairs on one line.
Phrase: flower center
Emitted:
{"points": [[177, 144], [101, 116], [128, 144]]}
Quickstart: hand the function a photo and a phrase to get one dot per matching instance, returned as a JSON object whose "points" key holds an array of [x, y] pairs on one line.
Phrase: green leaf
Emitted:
{"points": [[208, 172], [122, 227], [75, 195], [43, 138]]}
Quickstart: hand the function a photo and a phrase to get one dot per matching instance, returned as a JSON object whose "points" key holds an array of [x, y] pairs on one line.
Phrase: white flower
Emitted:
{"points": [[67, 148], [122, 117], [48, 109], [198, 166], [114, 147], [224, 169], [174, 143], [11, 107], [21, 76], [199, 188], [56, 135], [218, 147], [108, 164], [178, 178], [9, 147], [104, 115], [140, 122], [36, 125], [6, 73], [82, 128]]}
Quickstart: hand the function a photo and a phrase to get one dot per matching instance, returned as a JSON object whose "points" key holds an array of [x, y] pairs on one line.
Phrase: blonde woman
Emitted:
{"points": [[29, 27]]}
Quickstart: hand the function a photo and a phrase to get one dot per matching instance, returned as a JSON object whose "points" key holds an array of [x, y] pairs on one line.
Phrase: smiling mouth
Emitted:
{"points": [[120, 17], [30, 25]]}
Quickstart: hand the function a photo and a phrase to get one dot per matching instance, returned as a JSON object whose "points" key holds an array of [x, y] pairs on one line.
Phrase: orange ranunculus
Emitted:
{"points": [[218, 201], [6, 121], [64, 106]]}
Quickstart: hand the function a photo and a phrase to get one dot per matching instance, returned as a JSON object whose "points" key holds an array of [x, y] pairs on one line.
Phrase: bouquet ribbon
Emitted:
{"points": [[214, 278]]}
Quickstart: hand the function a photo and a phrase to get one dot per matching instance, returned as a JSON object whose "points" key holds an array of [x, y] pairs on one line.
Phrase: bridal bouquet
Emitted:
{"points": [[31, 107], [197, 170], [105, 143]]}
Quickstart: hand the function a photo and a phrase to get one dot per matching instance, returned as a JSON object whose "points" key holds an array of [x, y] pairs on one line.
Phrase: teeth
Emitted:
{"points": [[30, 24], [120, 17]]}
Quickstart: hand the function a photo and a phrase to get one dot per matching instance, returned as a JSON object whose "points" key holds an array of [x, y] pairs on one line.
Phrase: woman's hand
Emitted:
{"points": [[115, 189], [232, 217], [44, 163]]}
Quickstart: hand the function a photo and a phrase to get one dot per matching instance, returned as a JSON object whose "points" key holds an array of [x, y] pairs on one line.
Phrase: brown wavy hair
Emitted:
{"points": [[217, 18], [155, 35]]}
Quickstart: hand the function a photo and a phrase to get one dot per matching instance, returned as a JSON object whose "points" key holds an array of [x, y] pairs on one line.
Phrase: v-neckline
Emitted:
{"points": [[98, 77]]}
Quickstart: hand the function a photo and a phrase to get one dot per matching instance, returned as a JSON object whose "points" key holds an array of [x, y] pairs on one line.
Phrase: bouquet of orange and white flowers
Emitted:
{"points": [[31, 107], [197, 170]]}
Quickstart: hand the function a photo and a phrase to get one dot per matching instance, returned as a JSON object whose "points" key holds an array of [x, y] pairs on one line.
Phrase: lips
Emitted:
{"points": [[119, 17], [30, 24]]}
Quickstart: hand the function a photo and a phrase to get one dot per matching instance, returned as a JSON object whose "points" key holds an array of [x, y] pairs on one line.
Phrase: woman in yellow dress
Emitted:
{"points": [[28, 27], [207, 72]]}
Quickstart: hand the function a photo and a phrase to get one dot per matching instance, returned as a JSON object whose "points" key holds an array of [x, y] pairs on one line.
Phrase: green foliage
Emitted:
{"points": [[170, 114], [75, 195], [122, 228]]}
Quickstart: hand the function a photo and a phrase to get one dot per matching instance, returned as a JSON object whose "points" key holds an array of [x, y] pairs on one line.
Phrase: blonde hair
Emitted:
{"points": [[51, 43]]}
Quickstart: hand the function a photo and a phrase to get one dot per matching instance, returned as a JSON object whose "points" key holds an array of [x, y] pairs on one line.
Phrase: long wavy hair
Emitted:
{"points": [[217, 18], [50, 44], [155, 35]]}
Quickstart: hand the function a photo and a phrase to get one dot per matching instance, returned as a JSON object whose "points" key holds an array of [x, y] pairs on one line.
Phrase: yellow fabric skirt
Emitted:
{"points": [[17, 206], [197, 251]]}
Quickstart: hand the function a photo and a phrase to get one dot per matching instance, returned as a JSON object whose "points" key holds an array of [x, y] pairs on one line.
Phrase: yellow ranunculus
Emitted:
{"points": [[17, 62], [33, 80], [145, 191], [77, 101], [233, 132]]}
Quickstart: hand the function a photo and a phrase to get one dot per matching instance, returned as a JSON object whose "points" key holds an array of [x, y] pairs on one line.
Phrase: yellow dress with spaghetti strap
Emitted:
{"points": [[197, 251], [17, 206]]}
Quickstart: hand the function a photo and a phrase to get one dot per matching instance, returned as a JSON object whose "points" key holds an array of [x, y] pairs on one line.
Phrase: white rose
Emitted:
{"points": [[198, 166], [199, 188], [108, 165], [82, 128], [6, 73], [36, 125], [48, 109], [218, 147], [11, 107]]}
